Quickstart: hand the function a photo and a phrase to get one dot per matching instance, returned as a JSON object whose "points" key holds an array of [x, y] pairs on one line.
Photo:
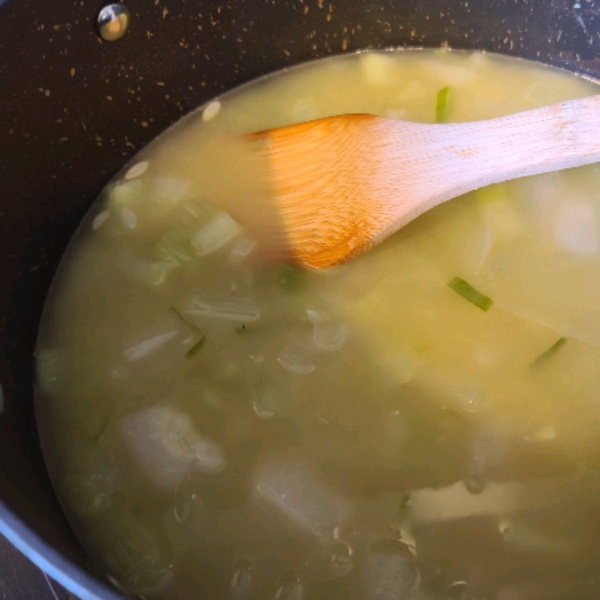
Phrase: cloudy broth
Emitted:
{"points": [[421, 423]]}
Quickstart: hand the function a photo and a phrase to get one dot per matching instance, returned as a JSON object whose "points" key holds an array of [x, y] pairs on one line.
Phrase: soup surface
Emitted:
{"points": [[421, 423]]}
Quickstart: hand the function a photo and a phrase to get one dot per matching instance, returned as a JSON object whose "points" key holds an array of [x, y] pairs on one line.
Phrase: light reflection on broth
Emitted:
{"points": [[418, 424]]}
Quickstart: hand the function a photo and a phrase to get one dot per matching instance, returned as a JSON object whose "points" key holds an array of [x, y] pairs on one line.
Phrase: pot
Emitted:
{"points": [[74, 108]]}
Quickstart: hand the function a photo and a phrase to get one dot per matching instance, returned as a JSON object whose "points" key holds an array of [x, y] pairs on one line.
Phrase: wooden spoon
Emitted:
{"points": [[343, 184]]}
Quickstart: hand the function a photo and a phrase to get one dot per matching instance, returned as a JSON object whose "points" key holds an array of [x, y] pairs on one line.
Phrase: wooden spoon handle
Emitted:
{"points": [[538, 141], [462, 157], [528, 143]]}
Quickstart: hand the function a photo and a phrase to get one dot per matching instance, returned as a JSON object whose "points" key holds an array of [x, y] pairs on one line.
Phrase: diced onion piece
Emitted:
{"points": [[125, 194], [379, 69], [267, 401], [100, 219], [215, 234], [497, 499], [239, 310], [137, 170], [148, 346], [166, 443], [330, 337], [241, 250], [297, 359], [297, 494], [128, 217], [261, 412], [174, 246], [575, 227], [211, 111], [152, 273], [314, 316], [169, 190]]}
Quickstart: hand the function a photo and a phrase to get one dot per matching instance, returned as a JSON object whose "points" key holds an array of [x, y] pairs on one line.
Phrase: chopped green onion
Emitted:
{"points": [[468, 292], [241, 329], [195, 348], [544, 356], [441, 105], [291, 277]]}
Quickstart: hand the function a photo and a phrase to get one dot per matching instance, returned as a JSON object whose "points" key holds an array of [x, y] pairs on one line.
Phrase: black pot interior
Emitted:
{"points": [[73, 109]]}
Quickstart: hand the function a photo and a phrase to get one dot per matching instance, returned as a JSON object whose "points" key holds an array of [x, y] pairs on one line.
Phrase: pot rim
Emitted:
{"points": [[51, 561]]}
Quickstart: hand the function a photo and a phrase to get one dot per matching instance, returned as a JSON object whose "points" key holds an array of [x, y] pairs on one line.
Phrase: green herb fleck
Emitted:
{"points": [[405, 502], [291, 278], [195, 348], [242, 329], [544, 356], [468, 292], [441, 105]]}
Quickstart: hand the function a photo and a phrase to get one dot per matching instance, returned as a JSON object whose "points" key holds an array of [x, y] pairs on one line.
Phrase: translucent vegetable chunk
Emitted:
{"points": [[455, 502], [238, 309], [390, 571], [301, 498], [379, 69], [141, 564], [165, 443], [160, 345], [221, 230], [576, 228]]}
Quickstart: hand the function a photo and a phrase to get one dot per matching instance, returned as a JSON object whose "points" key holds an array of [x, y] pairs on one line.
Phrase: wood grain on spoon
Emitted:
{"points": [[343, 184]]}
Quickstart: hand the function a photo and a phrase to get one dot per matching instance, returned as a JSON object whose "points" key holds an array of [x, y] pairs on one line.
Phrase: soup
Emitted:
{"points": [[420, 423]]}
